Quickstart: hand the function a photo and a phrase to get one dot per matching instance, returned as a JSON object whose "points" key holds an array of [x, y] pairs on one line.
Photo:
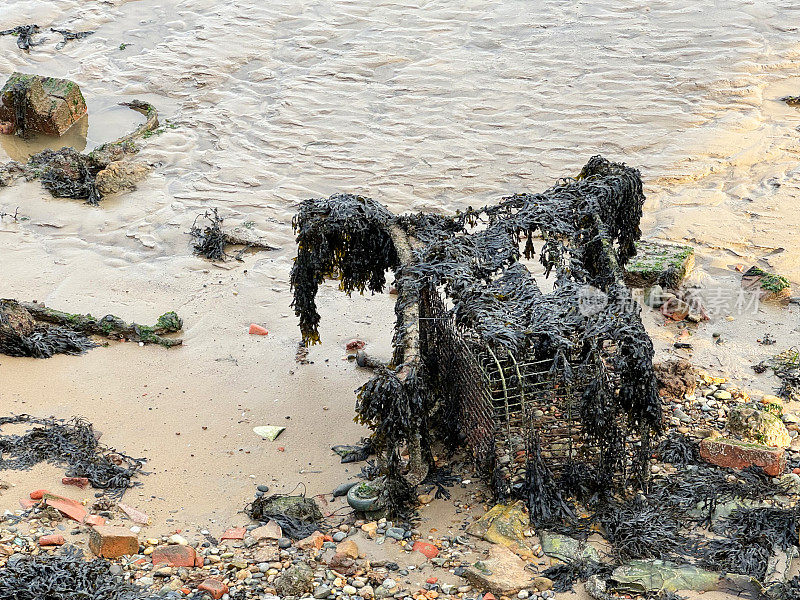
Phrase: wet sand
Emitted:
{"points": [[423, 107]]}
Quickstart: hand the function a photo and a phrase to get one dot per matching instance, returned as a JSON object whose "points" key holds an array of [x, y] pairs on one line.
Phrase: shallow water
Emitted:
{"points": [[428, 105]]}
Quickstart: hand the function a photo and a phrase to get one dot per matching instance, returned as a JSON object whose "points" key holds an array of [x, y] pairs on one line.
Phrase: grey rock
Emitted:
{"points": [[295, 581]]}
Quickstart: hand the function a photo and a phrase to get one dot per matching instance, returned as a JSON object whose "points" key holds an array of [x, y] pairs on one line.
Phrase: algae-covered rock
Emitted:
{"points": [[758, 426], [505, 524], [770, 287], [643, 576], [15, 323], [295, 581], [657, 263], [120, 176], [567, 549], [46, 105]]}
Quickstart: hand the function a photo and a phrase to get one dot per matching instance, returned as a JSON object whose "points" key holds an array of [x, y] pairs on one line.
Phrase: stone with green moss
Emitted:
{"points": [[768, 285], [658, 263], [45, 105]]}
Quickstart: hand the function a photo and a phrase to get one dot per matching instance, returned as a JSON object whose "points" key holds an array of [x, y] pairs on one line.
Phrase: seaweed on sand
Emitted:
{"points": [[24, 35], [211, 241], [564, 575], [589, 226], [69, 36], [695, 493], [71, 444], [752, 535], [64, 577], [678, 449], [637, 529], [298, 516]]}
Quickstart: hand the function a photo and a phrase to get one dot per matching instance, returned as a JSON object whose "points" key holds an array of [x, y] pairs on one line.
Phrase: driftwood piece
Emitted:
{"points": [[111, 326]]}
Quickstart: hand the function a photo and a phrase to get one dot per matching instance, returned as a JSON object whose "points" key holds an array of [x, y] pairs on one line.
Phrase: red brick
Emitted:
{"points": [[81, 482], [94, 520], [235, 533], [429, 550], [38, 494], [176, 556], [489, 596], [70, 508], [257, 330], [113, 542], [216, 588], [52, 540], [739, 455]]}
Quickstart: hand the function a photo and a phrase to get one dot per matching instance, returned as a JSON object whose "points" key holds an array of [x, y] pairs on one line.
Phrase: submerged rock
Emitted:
{"points": [[46, 105]]}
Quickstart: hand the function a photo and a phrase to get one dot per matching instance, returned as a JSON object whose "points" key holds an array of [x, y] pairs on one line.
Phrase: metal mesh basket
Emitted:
{"points": [[500, 406]]}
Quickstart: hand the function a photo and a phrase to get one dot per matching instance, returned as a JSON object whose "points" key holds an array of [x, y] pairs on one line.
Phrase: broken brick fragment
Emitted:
{"points": [[429, 550], [27, 503], [38, 494], [176, 556], [235, 533], [69, 508], [81, 482], [216, 588], [112, 542], [257, 330], [94, 520], [52, 540], [734, 454]]}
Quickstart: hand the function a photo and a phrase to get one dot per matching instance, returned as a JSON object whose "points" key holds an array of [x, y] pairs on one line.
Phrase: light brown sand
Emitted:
{"points": [[429, 106]]}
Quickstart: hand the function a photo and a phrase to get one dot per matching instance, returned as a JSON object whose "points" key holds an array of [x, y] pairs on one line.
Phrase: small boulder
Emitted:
{"points": [[270, 531], [46, 105], [295, 581], [15, 323], [770, 287], [502, 573], [758, 426], [314, 541], [120, 176]]}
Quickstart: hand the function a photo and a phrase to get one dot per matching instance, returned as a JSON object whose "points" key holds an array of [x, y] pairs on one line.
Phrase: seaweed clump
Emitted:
{"points": [[24, 35], [589, 226], [72, 444], [64, 577], [297, 516], [212, 241]]}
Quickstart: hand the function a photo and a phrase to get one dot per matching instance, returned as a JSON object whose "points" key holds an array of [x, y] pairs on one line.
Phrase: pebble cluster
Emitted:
{"points": [[325, 567]]}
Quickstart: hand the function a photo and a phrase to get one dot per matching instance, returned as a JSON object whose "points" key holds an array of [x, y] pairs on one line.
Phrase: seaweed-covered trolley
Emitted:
{"points": [[553, 392]]}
